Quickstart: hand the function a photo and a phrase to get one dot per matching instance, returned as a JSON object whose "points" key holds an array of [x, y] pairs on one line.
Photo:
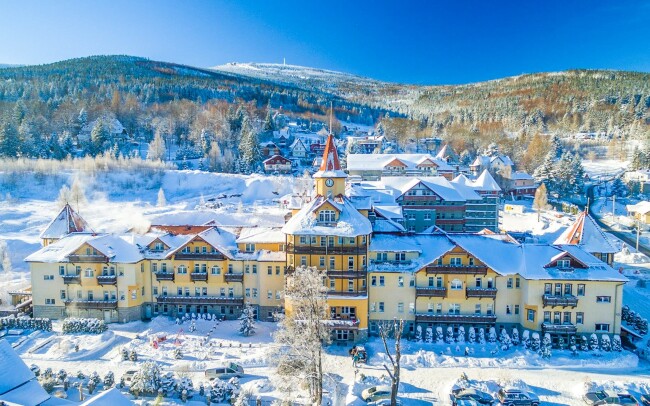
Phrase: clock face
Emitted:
{"points": [[329, 182]]}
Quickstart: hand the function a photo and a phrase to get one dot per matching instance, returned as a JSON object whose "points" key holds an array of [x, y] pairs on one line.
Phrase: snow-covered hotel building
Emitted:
{"points": [[378, 267]]}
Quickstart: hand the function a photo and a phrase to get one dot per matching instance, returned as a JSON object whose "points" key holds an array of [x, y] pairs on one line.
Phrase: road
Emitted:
{"points": [[622, 236]]}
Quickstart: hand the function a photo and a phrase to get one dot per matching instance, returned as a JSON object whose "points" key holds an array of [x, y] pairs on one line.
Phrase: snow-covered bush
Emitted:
{"points": [[178, 354], [109, 380], [525, 339], [515, 336], [545, 350], [221, 391], [61, 375], [561, 343], [572, 341], [125, 354], [146, 380], [167, 384], [460, 337], [593, 342], [185, 385], [616, 343], [471, 335], [429, 335], [48, 383], [492, 335], [535, 342], [505, 340], [73, 325], [133, 356], [481, 336], [449, 338], [418, 334], [605, 343], [26, 323], [247, 327], [584, 344], [439, 335]]}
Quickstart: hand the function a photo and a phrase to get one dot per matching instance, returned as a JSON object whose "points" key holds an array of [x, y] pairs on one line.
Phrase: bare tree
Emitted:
{"points": [[302, 333], [385, 331], [541, 200]]}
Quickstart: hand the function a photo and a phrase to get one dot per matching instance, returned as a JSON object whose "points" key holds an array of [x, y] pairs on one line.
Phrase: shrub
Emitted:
{"points": [[74, 325]]}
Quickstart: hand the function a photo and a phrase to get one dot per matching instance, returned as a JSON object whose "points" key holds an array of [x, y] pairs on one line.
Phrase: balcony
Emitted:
{"points": [[233, 277], [457, 269], [196, 256], [564, 301], [199, 276], [339, 324], [347, 293], [390, 262], [489, 293], [361, 274], [566, 328], [164, 276], [431, 292], [332, 250], [92, 304], [200, 300], [455, 318], [106, 279], [72, 279], [87, 258]]}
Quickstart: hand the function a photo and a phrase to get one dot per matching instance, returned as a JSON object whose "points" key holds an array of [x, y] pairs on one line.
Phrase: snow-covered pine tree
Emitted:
{"points": [[505, 340], [460, 336], [616, 343], [109, 380], [247, 327], [535, 342], [492, 335], [556, 147], [577, 175], [440, 339], [146, 380], [605, 343], [545, 350], [157, 150], [249, 148], [593, 342], [584, 344], [481, 336], [9, 140], [178, 354], [418, 334], [161, 201], [471, 335], [515, 336], [302, 333], [525, 339], [449, 338], [428, 338], [99, 136], [544, 172], [269, 125]]}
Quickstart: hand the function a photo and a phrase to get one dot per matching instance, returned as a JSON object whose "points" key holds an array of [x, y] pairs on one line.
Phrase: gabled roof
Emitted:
{"points": [[218, 238], [276, 158], [642, 207], [330, 167], [17, 383], [377, 162], [587, 234], [295, 143], [115, 248], [485, 183], [350, 222], [111, 397], [447, 152], [66, 222]]}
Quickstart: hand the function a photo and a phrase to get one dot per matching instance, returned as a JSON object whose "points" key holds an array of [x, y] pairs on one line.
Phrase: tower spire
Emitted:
{"points": [[331, 108]]}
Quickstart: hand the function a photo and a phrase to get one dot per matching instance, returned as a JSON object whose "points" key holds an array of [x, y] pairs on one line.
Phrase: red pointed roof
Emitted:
{"points": [[66, 222], [330, 156]]}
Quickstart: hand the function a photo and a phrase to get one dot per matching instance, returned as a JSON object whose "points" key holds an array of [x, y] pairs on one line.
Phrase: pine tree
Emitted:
{"points": [[268, 126], [637, 159], [556, 147], [247, 327], [541, 200], [577, 174], [618, 187], [544, 173], [157, 148], [9, 141], [99, 136], [249, 149], [545, 350]]}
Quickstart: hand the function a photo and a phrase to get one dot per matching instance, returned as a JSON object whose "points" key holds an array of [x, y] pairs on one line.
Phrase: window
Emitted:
{"points": [[381, 307], [516, 309], [277, 270], [567, 318], [412, 282], [351, 263], [400, 307], [455, 261], [222, 292], [400, 281], [303, 240], [547, 317], [269, 294], [381, 281], [603, 299], [454, 308], [48, 277], [332, 262], [326, 216], [254, 268], [581, 289], [548, 288], [330, 241], [517, 283], [323, 241], [568, 289], [159, 247], [427, 215], [558, 289], [557, 317], [471, 261], [490, 283], [602, 327], [477, 308], [254, 292], [61, 270], [478, 283], [530, 315], [412, 307], [350, 285], [509, 283], [229, 268], [438, 308], [197, 268], [197, 291], [490, 309], [250, 247], [508, 310], [269, 270], [580, 318], [373, 281], [400, 256], [216, 270], [231, 292], [164, 267], [431, 281], [563, 263], [303, 260], [155, 290], [89, 273], [248, 292], [321, 262], [182, 269], [164, 291], [247, 268], [49, 301], [456, 284], [63, 294]]}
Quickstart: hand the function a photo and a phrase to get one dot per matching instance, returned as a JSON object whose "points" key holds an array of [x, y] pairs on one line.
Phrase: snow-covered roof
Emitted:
{"points": [[17, 383], [295, 143], [484, 160], [465, 188], [330, 167], [377, 162], [642, 207], [66, 222], [520, 175], [437, 184], [393, 212], [387, 226], [256, 235], [486, 183], [114, 126], [445, 152], [428, 246], [111, 397], [350, 222], [587, 234]]}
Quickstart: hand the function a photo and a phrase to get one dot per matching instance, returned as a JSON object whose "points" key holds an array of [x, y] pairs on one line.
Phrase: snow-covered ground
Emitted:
{"points": [[604, 168]]}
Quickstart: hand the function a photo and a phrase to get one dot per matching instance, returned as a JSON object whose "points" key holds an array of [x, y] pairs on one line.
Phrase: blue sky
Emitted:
{"points": [[424, 42]]}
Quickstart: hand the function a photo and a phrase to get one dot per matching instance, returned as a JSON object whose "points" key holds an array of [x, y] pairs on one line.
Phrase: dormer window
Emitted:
{"points": [[327, 216], [159, 247], [186, 250], [564, 263], [250, 248]]}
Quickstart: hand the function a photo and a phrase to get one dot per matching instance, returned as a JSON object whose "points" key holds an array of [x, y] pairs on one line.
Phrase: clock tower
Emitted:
{"points": [[330, 178]]}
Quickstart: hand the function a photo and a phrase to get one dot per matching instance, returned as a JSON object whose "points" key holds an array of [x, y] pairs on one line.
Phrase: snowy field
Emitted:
{"points": [[604, 168]]}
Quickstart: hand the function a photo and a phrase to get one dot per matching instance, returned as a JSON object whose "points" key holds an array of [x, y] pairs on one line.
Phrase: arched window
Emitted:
{"points": [[89, 273], [456, 284], [216, 270], [182, 269]]}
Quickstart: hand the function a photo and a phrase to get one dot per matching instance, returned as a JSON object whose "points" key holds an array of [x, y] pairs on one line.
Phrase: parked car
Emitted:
{"points": [[375, 393], [480, 397], [517, 397], [360, 352], [128, 375], [604, 397], [231, 370]]}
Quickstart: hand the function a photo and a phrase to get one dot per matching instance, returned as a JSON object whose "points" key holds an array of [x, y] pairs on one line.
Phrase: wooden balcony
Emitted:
{"points": [[361, 274], [72, 279], [339, 324], [92, 304], [164, 276], [455, 318], [199, 276], [201, 300], [564, 301], [332, 250], [233, 277], [431, 292], [488, 293], [195, 256], [347, 293], [87, 258], [106, 280], [457, 269], [566, 328]]}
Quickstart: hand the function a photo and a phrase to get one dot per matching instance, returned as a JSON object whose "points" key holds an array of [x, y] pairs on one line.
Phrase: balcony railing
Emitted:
{"points": [[72, 279], [431, 292], [480, 293], [87, 258], [164, 276], [336, 324], [360, 292], [332, 250], [205, 256], [457, 269], [106, 279], [92, 304], [233, 277], [199, 276], [564, 301], [455, 318], [201, 300], [567, 328], [360, 274], [390, 262]]}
